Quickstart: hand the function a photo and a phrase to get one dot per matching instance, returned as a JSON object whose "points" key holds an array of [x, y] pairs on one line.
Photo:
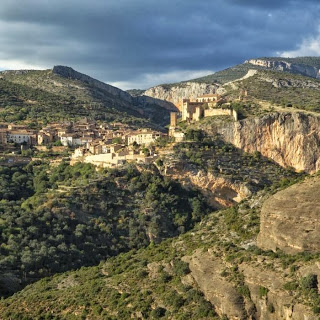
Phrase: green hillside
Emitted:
{"points": [[228, 75], [156, 282], [79, 216], [45, 97], [281, 88], [57, 219], [238, 71]]}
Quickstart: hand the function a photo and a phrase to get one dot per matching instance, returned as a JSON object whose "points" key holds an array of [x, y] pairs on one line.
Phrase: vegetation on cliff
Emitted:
{"points": [[222, 159]]}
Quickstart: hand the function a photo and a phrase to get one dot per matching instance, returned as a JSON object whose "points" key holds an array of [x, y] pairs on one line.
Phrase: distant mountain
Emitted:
{"points": [[306, 66], [298, 77], [62, 92]]}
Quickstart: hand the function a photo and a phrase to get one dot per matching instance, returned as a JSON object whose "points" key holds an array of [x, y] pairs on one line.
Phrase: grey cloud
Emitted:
{"points": [[123, 40]]}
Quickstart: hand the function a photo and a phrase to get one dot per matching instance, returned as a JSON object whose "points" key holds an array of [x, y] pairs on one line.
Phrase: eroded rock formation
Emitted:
{"points": [[290, 219], [281, 65], [290, 139], [220, 192], [175, 93]]}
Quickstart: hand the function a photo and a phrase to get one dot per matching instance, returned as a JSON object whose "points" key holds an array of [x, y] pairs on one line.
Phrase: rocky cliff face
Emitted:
{"points": [[286, 66], [290, 139], [184, 90], [292, 83], [220, 192], [207, 273], [290, 219]]}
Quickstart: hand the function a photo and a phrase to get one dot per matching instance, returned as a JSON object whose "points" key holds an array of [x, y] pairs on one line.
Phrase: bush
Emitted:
{"points": [[263, 292], [244, 291], [290, 286], [181, 268], [205, 309], [158, 313], [309, 282]]}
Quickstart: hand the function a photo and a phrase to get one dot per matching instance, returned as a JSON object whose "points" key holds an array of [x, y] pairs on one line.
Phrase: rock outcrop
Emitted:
{"points": [[290, 219], [220, 192], [290, 139], [277, 303], [175, 93], [281, 65], [291, 83], [206, 273]]}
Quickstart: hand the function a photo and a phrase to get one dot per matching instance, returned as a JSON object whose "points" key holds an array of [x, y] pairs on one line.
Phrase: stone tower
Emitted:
{"points": [[173, 119]]}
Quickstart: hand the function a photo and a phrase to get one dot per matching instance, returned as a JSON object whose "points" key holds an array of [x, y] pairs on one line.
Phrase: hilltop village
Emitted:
{"points": [[117, 142], [111, 145]]}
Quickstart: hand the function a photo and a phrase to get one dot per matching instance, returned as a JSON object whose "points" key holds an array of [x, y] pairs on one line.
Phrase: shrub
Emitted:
{"points": [[263, 292], [181, 268], [158, 313], [205, 309], [309, 282], [244, 291], [290, 286]]}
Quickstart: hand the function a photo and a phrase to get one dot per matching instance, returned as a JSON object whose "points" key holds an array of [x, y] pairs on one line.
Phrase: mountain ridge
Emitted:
{"points": [[307, 68], [89, 94]]}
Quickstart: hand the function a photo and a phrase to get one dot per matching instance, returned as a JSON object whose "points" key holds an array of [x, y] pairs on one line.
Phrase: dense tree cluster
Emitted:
{"points": [[56, 219]]}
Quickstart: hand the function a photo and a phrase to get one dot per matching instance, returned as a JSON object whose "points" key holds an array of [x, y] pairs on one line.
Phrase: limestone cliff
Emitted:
{"points": [[290, 219], [282, 65], [184, 90], [220, 192], [292, 139]]}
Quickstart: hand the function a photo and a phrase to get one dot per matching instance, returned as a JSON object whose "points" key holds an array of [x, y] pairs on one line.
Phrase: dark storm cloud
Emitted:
{"points": [[124, 40]]}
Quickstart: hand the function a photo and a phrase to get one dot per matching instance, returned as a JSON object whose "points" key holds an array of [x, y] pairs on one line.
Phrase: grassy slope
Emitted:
{"points": [[151, 282], [241, 70], [44, 96], [281, 88]]}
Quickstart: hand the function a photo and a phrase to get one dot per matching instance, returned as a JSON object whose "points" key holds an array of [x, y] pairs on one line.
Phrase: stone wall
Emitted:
{"points": [[221, 112]]}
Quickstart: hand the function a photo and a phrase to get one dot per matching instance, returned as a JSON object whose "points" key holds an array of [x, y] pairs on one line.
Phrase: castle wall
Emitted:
{"points": [[221, 112]]}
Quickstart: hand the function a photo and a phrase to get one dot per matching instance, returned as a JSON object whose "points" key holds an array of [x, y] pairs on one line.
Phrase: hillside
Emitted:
{"points": [[306, 66], [222, 225], [97, 214], [280, 88], [62, 92], [54, 219], [290, 70], [216, 271]]}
